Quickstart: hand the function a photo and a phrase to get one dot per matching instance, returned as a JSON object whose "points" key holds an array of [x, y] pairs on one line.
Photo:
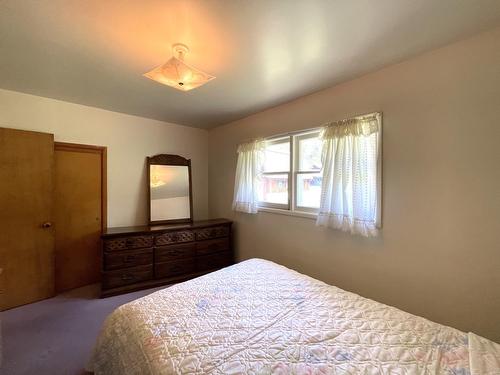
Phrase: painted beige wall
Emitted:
{"points": [[439, 252], [129, 140]]}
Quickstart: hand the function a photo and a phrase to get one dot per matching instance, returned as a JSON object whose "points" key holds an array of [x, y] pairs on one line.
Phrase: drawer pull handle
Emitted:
{"points": [[127, 277]]}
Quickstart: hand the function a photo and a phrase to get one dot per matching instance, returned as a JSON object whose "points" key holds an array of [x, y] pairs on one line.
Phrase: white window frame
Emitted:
{"points": [[289, 174], [291, 208], [296, 171]]}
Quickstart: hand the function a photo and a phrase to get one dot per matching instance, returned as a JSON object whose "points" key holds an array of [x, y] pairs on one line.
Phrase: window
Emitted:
{"points": [[308, 175], [291, 178], [275, 182], [336, 177]]}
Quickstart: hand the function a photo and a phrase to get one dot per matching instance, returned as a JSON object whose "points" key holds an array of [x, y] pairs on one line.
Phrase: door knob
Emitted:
{"points": [[47, 224]]}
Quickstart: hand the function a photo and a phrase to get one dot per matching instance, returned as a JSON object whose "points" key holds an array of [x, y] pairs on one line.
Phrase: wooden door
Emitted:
{"points": [[79, 213], [26, 234]]}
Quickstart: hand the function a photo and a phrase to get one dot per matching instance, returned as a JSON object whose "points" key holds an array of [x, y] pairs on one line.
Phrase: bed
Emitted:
{"points": [[257, 317]]}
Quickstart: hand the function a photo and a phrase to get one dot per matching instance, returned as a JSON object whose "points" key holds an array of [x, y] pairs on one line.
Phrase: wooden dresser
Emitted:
{"points": [[141, 257]]}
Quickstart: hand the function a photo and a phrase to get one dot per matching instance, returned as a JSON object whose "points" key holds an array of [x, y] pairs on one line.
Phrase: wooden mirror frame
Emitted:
{"points": [[171, 160]]}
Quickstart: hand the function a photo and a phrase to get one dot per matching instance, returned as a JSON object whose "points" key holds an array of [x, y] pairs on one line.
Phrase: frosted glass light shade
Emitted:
{"points": [[176, 73]]}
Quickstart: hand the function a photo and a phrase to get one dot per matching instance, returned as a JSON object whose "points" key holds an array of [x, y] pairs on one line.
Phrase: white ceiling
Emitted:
{"points": [[263, 52]]}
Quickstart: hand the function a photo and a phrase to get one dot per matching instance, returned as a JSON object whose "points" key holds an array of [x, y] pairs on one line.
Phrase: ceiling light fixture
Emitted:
{"points": [[176, 73]]}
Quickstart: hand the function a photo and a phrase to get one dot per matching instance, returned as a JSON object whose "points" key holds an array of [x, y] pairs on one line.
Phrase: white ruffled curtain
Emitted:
{"points": [[350, 191], [248, 171]]}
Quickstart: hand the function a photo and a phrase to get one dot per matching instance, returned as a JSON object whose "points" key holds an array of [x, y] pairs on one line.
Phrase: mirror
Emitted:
{"points": [[169, 187]]}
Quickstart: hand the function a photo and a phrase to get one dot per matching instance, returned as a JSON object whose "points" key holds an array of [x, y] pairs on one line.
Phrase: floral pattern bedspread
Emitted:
{"points": [[257, 317]]}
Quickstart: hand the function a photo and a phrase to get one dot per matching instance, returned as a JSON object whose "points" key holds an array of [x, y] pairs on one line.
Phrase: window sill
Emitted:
{"points": [[307, 215]]}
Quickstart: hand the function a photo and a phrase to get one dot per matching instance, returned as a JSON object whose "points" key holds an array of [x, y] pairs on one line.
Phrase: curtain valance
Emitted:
{"points": [[355, 127]]}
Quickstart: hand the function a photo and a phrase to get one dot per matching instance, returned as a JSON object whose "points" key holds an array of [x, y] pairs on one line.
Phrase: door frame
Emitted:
{"points": [[103, 151]]}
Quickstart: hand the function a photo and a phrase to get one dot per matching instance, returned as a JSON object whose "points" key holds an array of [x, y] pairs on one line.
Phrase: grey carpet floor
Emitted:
{"points": [[56, 336]]}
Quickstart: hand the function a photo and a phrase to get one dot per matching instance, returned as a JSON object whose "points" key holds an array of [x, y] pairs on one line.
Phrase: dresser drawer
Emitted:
{"points": [[214, 232], [174, 252], [174, 237], [214, 261], [127, 258], [127, 276], [123, 243], [175, 268], [212, 246]]}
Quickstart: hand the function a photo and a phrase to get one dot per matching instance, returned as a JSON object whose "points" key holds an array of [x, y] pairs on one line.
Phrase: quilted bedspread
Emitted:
{"points": [[257, 317]]}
